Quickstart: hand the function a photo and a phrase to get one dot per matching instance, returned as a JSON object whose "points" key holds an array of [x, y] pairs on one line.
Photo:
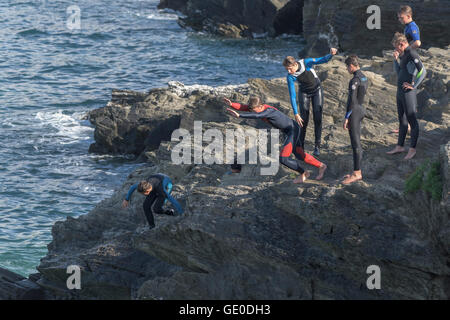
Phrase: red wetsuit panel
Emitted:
{"points": [[287, 150]]}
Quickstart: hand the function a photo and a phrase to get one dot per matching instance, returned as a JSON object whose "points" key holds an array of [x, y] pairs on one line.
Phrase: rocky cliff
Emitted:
{"points": [[323, 23], [237, 18], [250, 236]]}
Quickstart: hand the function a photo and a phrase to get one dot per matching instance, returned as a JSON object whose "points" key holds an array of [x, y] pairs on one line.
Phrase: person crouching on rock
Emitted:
{"points": [[157, 188], [257, 110]]}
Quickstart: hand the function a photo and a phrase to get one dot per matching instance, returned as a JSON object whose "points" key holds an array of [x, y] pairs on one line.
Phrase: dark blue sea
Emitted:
{"points": [[52, 73]]}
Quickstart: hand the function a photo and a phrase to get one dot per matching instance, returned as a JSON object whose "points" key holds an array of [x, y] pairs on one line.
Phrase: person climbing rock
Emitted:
{"points": [[157, 188], [292, 145]]}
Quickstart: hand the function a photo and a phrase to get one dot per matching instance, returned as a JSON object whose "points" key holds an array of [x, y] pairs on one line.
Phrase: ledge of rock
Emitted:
{"points": [[251, 236]]}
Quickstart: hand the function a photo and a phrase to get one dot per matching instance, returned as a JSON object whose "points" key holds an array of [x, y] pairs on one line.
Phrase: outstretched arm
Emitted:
{"points": [[235, 105], [130, 192], [309, 62]]}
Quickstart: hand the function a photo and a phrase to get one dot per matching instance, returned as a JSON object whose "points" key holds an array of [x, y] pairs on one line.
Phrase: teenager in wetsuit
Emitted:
{"points": [[157, 188], [411, 32], [310, 90], [288, 126], [355, 113], [411, 73]]}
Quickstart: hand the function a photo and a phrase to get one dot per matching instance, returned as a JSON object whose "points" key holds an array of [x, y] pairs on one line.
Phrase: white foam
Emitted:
{"points": [[70, 128]]}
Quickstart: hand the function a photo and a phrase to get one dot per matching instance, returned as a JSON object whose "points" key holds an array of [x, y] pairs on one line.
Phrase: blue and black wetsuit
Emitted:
{"points": [[411, 70], [309, 90], [153, 203], [355, 113], [289, 127], [412, 32]]}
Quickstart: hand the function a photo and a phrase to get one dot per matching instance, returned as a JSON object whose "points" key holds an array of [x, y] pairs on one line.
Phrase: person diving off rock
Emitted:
{"points": [[257, 110], [157, 189], [310, 90], [410, 72], [355, 113]]}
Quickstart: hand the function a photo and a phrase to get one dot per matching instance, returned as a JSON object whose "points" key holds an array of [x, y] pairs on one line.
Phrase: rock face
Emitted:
{"points": [[343, 24], [323, 23], [237, 18], [253, 236]]}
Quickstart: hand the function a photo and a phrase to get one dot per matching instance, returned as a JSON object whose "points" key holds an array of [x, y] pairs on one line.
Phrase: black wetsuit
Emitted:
{"points": [[411, 70], [310, 91], [290, 128], [355, 113]]}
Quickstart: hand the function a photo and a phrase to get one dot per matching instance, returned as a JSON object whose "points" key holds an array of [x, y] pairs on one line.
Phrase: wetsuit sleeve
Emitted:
{"points": [[414, 32], [239, 106], [309, 62], [131, 190], [255, 115], [172, 200], [292, 95], [396, 66], [352, 96], [421, 72]]}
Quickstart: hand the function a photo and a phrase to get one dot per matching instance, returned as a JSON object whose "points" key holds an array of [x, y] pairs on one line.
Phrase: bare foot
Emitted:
{"points": [[351, 178], [411, 154], [396, 130], [302, 178], [322, 169], [397, 149]]}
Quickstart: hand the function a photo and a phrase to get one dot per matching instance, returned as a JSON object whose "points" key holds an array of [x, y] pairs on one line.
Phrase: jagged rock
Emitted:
{"points": [[250, 236], [323, 23], [237, 19], [16, 287]]}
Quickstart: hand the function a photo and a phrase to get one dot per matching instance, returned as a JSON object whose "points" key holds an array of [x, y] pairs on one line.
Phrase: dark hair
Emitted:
{"points": [[289, 61], [253, 102], [144, 186], [352, 60], [405, 10]]}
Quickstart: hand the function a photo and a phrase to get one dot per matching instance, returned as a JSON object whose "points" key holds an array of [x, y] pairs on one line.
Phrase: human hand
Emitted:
{"points": [[407, 86], [333, 51], [299, 120], [227, 101], [233, 113]]}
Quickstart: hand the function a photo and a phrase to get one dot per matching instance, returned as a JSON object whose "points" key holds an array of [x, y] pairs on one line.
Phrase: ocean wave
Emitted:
{"points": [[69, 128], [31, 32]]}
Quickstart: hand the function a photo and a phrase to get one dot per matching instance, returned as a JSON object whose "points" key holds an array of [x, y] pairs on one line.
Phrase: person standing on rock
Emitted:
{"points": [[411, 32], [310, 90], [257, 110], [411, 73], [157, 188], [355, 113]]}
